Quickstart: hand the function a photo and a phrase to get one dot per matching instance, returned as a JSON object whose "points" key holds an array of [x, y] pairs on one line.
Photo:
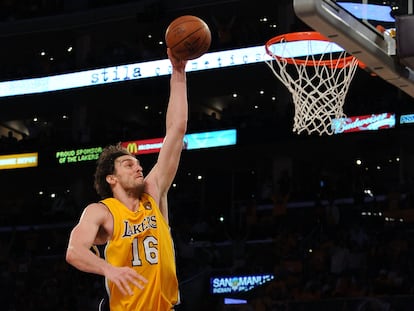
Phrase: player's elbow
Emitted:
{"points": [[70, 256], [180, 128]]}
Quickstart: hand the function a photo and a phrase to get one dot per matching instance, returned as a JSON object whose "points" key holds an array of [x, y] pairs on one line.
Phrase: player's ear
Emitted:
{"points": [[110, 179]]}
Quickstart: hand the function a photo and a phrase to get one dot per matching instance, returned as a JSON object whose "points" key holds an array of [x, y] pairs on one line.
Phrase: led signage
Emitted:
{"points": [[191, 141], [127, 72], [238, 283], [78, 155], [143, 146], [370, 122], [407, 118], [21, 160]]}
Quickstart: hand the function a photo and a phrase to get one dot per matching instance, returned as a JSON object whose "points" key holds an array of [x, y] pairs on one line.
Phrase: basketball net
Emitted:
{"points": [[318, 78]]}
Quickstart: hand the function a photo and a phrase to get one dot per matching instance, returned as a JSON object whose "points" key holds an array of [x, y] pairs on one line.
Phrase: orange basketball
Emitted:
{"points": [[188, 37]]}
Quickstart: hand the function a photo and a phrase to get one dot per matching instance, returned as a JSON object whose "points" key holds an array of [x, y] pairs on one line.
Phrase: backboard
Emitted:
{"points": [[355, 26]]}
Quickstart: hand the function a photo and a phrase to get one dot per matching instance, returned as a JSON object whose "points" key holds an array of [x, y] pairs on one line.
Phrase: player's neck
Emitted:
{"points": [[130, 200]]}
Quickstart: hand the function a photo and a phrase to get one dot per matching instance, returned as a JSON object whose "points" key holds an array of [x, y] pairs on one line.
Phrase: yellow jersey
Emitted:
{"points": [[142, 240]]}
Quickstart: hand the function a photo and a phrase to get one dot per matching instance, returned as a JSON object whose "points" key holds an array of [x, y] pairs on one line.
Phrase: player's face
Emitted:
{"points": [[128, 171]]}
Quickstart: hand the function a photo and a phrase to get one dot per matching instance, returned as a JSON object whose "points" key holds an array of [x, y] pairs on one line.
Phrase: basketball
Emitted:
{"points": [[188, 37]]}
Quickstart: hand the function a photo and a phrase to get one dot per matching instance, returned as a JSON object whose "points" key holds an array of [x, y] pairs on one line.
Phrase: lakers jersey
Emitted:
{"points": [[142, 240]]}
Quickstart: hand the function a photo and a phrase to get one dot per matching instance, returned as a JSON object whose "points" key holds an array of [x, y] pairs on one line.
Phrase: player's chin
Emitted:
{"points": [[139, 188], [139, 182]]}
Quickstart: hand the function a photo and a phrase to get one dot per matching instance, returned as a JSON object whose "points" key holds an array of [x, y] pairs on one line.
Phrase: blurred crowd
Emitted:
{"points": [[346, 255]]}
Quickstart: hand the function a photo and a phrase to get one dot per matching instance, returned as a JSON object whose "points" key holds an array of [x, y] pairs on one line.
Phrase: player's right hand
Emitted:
{"points": [[124, 277]]}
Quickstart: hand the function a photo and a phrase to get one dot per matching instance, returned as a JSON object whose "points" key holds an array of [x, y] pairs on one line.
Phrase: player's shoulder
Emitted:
{"points": [[96, 206], [96, 209]]}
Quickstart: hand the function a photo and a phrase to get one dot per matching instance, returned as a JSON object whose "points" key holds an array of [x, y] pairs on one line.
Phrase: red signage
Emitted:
{"points": [[364, 123], [143, 146]]}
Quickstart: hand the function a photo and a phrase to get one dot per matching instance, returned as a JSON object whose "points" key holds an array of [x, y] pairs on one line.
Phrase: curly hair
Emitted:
{"points": [[105, 166]]}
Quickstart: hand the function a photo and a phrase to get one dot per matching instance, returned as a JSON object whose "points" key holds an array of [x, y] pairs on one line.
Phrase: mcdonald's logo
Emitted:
{"points": [[132, 148]]}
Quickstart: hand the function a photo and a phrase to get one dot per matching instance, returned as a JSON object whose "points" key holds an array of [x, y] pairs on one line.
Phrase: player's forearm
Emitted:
{"points": [[85, 260], [177, 110]]}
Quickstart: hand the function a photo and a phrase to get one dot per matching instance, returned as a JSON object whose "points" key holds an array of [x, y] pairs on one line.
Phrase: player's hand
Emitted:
{"points": [[177, 64], [124, 278]]}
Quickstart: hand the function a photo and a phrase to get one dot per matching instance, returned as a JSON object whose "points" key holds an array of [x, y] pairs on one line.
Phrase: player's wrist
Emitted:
{"points": [[106, 268], [178, 76]]}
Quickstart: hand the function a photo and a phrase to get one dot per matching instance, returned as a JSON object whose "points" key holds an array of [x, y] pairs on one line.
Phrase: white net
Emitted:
{"points": [[318, 82]]}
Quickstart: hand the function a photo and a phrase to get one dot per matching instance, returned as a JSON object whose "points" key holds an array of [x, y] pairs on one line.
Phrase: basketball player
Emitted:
{"points": [[132, 218]]}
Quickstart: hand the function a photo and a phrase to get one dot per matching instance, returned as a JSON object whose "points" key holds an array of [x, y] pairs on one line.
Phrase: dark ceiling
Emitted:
{"points": [[103, 34]]}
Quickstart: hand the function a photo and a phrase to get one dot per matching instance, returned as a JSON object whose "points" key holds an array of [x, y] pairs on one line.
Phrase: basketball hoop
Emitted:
{"points": [[318, 80]]}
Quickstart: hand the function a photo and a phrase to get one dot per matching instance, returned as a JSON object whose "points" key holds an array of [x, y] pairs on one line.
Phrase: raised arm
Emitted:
{"points": [[162, 175]]}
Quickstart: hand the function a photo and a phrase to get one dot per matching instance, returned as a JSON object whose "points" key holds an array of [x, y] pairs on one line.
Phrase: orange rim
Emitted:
{"points": [[304, 36]]}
